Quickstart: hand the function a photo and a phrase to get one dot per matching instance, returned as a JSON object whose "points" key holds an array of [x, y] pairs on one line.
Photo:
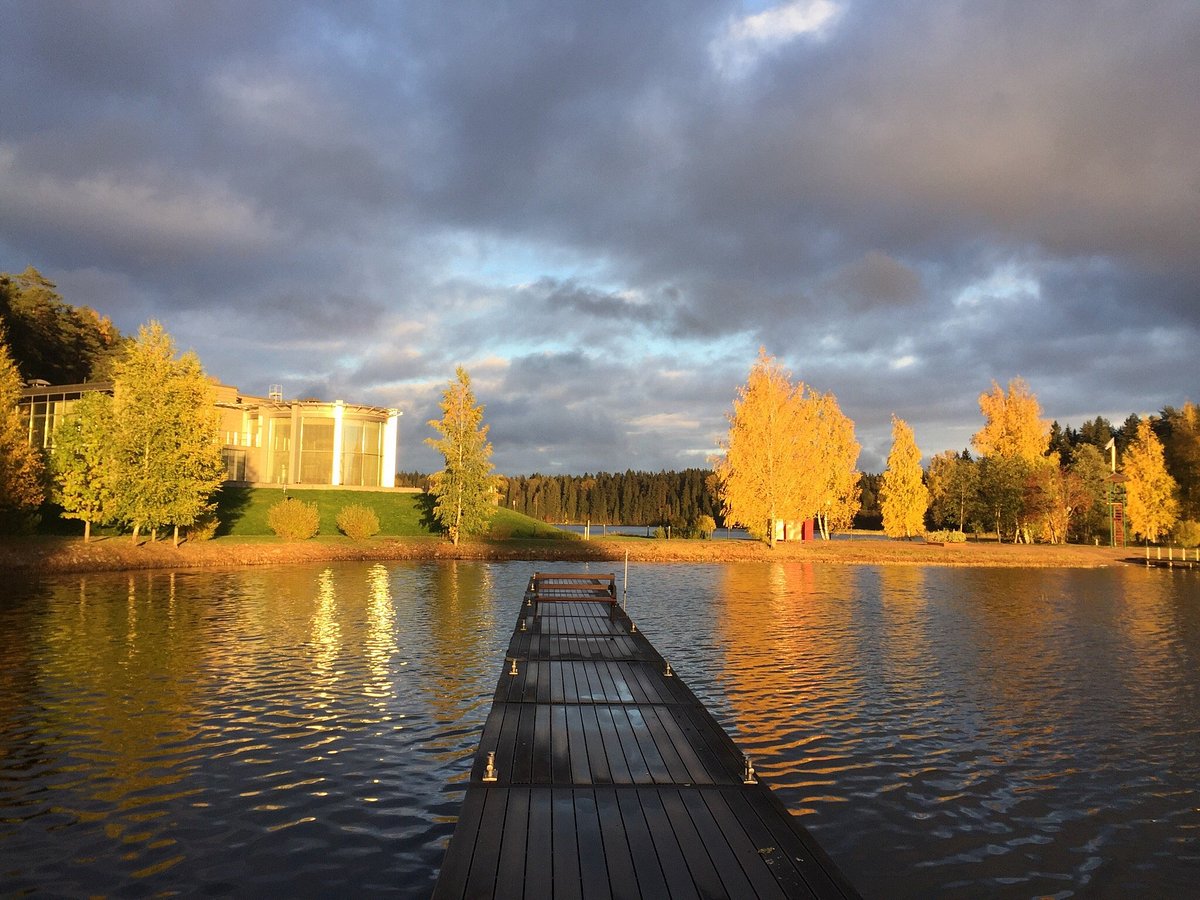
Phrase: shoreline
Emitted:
{"points": [[62, 555]]}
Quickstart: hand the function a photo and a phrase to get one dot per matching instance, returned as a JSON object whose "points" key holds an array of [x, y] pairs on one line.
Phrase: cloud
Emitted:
{"points": [[147, 213], [749, 37], [603, 210]]}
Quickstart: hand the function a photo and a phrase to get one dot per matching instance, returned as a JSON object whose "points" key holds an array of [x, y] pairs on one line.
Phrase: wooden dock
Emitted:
{"points": [[599, 774]]}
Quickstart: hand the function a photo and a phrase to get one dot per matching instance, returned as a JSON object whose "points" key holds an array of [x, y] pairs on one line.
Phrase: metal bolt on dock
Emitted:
{"points": [[490, 773], [668, 673], [513, 670], [750, 777]]}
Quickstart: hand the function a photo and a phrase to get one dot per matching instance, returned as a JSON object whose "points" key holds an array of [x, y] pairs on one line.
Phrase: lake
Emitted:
{"points": [[308, 730]]}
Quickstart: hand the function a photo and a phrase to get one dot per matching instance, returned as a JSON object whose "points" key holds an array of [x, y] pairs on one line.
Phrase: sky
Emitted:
{"points": [[603, 210]]}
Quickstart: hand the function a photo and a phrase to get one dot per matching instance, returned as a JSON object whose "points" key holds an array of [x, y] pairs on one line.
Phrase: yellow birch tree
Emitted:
{"points": [[1014, 427], [903, 496], [837, 455], [1150, 503], [769, 450]]}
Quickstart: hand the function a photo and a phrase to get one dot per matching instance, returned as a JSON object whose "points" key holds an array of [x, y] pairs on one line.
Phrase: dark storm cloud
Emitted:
{"points": [[603, 209]]}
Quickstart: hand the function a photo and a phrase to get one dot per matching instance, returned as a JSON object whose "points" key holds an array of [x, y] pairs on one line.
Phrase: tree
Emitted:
{"points": [[1150, 503], [840, 489], [1001, 491], [21, 468], [167, 458], [464, 490], [1181, 452], [82, 462], [1090, 470], [51, 339], [1014, 427], [770, 456], [953, 485], [904, 497]]}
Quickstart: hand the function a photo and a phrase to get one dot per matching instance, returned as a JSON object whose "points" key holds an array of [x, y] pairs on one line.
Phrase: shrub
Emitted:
{"points": [[204, 528], [1186, 533], [946, 537], [294, 520], [705, 527], [660, 533], [357, 522]]}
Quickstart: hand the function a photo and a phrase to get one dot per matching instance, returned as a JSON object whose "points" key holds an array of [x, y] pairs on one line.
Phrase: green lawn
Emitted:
{"points": [[243, 513]]}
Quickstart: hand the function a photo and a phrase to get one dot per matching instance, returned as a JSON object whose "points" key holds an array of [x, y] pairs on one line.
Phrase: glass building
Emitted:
{"points": [[265, 440]]}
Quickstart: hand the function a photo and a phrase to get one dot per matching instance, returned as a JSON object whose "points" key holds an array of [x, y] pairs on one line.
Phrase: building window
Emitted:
{"points": [[279, 448], [362, 452], [316, 449]]}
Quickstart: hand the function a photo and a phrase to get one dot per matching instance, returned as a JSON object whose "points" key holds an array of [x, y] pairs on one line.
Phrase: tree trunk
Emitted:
{"points": [[87, 530], [176, 538], [136, 528]]}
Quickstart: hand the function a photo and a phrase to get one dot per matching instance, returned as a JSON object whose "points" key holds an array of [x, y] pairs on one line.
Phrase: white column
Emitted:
{"points": [[336, 476], [387, 478]]}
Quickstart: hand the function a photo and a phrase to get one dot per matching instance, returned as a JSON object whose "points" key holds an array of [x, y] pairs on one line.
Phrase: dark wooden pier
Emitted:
{"points": [[599, 774]]}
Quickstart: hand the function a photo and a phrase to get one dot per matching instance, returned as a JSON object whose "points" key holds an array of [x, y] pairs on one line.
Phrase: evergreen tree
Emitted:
{"points": [[167, 458], [82, 462], [903, 496], [465, 488], [1150, 503], [53, 340], [21, 468]]}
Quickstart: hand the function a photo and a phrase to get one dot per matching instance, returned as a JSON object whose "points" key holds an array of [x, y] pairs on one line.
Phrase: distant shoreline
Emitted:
{"points": [[51, 555]]}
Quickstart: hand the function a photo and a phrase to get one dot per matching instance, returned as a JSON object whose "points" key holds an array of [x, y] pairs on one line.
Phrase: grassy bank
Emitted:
{"points": [[58, 554]]}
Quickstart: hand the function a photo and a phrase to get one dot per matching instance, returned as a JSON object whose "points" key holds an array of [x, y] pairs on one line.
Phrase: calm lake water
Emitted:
{"points": [[308, 730]]}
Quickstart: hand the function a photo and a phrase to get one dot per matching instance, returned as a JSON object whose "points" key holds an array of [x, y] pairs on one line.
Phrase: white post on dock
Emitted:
{"points": [[625, 584]]}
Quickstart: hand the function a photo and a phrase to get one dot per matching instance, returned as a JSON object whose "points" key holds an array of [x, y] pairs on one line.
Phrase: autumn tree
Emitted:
{"points": [[82, 462], [770, 453], [840, 481], [464, 491], [167, 458], [903, 497], [21, 469], [1014, 427], [1150, 503]]}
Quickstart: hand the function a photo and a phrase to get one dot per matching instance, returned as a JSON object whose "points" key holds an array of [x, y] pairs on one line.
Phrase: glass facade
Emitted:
{"points": [[44, 412], [279, 450], [316, 449], [362, 452]]}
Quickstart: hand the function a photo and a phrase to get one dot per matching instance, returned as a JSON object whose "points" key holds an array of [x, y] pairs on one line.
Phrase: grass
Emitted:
{"points": [[243, 513]]}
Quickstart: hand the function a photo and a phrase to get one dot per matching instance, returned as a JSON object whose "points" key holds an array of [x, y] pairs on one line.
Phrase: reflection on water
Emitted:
{"points": [[309, 730]]}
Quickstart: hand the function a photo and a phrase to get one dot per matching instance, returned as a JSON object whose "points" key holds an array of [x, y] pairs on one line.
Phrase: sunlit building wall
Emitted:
{"points": [[265, 440]]}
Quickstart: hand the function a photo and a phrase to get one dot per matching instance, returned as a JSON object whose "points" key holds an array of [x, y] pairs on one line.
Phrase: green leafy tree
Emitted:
{"points": [[165, 436], [1090, 515], [903, 497], [1181, 452], [953, 486], [1001, 493], [82, 462], [21, 468], [1149, 490], [465, 489]]}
